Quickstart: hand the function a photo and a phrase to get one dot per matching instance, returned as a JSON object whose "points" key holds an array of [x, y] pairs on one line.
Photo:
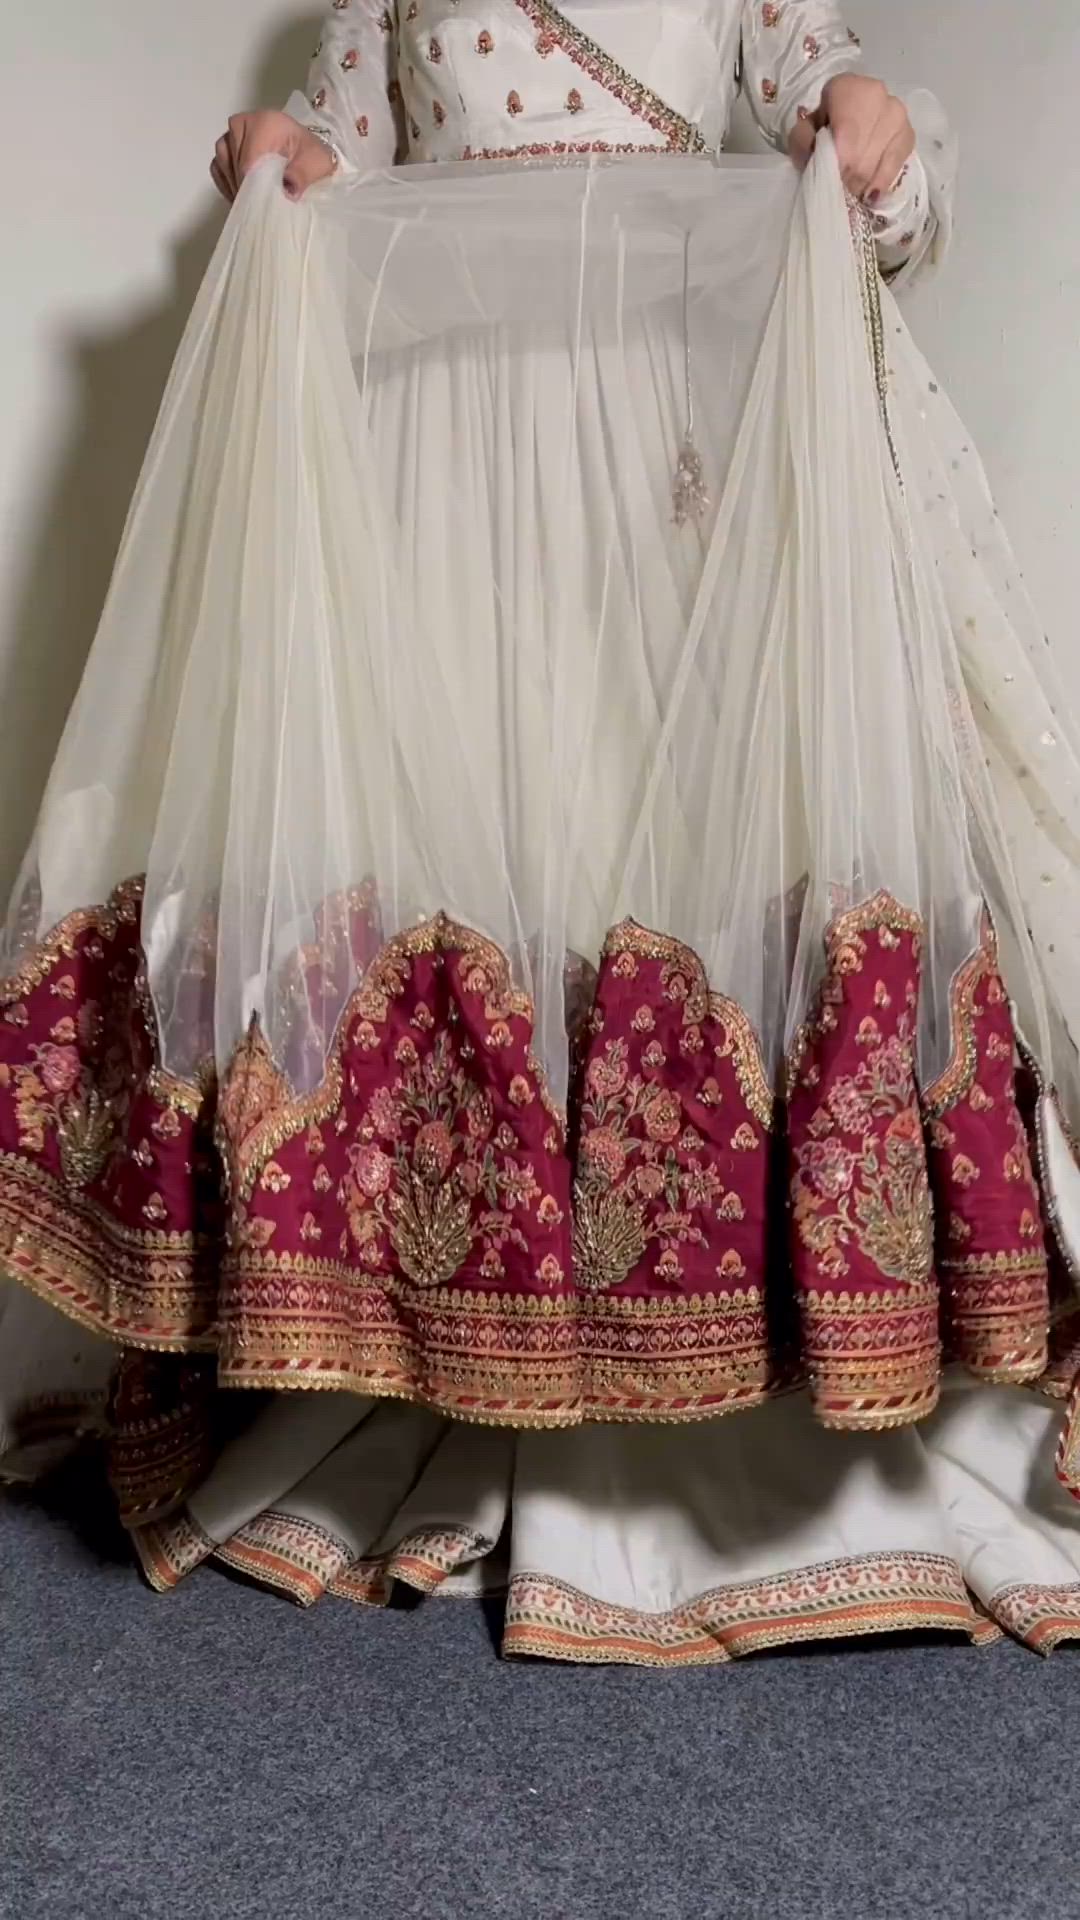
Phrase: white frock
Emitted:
{"points": [[582, 747]]}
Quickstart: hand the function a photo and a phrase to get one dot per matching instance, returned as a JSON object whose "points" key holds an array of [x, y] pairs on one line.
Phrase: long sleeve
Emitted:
{"points": [[352, 98], [790, 50]]}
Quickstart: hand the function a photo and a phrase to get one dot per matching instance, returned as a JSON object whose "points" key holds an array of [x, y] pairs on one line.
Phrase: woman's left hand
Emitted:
{"points": [[873, 135]]}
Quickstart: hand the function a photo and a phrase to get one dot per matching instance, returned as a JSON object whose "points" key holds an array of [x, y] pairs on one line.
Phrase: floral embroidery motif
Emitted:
{"points": [[670, 1219], [87, 1216], [407, 1227], [438, 1150], [861, 1210], [860, 1180], [349, 60], [649, 1173], [770, 14], [574, 101], [769, 91], [513, 103], [484, 42], [680, 134], [811, 47], [992, 1255]]}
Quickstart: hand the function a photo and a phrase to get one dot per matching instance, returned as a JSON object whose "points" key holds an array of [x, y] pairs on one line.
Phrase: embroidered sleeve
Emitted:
{"points": [[352, 99], [904, 220], [791, 49]]}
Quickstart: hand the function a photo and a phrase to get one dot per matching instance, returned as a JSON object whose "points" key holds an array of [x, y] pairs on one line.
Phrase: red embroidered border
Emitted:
{"points": [[409, 1227]]}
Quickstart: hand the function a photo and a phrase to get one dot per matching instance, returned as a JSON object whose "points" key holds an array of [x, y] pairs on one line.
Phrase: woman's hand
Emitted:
{"points": [[251, 136], [874, 137]]}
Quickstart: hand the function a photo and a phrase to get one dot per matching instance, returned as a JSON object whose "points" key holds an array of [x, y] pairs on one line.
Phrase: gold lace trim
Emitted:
{"points": [[681, 134], [956, 1080], [122, 909], [701, 1004]]}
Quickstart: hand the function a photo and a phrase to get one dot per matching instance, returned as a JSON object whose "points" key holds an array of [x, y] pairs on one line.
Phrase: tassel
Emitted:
{"points": [[689, 493]]}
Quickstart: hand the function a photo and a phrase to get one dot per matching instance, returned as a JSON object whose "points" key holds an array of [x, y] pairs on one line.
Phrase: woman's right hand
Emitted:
{"points": [[251, 136]]}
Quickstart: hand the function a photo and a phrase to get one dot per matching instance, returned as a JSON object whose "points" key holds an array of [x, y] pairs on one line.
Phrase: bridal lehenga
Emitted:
{"points": [[556, 917]]}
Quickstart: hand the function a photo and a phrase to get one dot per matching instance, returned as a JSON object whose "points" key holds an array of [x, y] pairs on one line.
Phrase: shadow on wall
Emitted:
{"points": [[116, 381]]}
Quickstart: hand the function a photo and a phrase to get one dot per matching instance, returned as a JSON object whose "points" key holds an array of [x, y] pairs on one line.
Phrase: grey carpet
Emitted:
{"points": [[218, 1752]]}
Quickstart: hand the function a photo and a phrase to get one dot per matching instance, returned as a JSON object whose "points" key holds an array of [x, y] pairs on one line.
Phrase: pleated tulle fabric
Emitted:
{"points": [[403, 606]]}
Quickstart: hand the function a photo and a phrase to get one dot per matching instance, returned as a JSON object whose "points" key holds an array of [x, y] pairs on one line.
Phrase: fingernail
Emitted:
{"points": [[874, 197]]}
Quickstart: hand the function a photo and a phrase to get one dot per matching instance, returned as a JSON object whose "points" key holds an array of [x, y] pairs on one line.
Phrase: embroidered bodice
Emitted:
{"points": [[436, 80]]}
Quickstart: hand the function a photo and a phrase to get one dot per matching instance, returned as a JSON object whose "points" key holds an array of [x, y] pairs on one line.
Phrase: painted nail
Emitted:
{"points": [[874, 197]]}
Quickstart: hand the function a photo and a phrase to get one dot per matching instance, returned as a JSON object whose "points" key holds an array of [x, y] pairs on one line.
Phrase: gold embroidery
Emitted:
{"points": [[997, 1305], [258, 1111], [740, 1042], [544, 1360], [889, 1219], [873, 1357], [610, 1235], [61, 943], [147, 1289], [956, 1080], [581, 1359], [862, 228], [860, 1189], [86, 1130]]}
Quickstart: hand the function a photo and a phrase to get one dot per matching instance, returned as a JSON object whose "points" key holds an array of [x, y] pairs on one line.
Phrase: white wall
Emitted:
{"points": [[112, 109], [1002, 324]]}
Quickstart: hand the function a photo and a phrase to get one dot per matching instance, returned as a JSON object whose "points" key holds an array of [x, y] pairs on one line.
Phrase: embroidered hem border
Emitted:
{"points": [[1041, 1616], [867, 1595], [305, 1561], [549, 1619], [607, 1312], [873, 1594]]}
